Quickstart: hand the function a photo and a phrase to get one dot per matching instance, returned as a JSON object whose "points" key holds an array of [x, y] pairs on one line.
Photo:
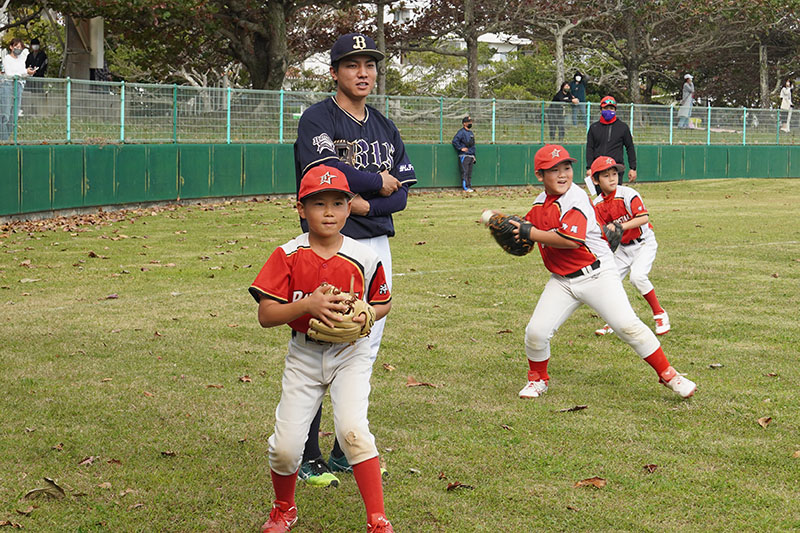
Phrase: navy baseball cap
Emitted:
{"points": [[354, 44]]}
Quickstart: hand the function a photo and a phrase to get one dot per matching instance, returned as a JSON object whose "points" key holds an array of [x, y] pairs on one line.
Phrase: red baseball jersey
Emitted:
{"points": [[570, 215], [294, 271], [620, 206]]}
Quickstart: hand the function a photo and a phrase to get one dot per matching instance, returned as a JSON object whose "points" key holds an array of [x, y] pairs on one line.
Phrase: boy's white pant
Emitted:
{"points": [[310, 369], [637, 260], [601, 290], [381, 247]]}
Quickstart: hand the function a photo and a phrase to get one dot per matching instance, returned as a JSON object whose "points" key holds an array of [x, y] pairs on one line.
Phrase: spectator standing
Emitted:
{"points": [[685, 111], [11, 89], [464, 144], [37, 60], [558, 111], [611, 137], [578, 89], [786, 104]]}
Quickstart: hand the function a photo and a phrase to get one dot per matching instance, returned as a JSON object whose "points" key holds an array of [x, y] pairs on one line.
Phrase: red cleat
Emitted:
{"points": [[379, 524], [281, 518]]}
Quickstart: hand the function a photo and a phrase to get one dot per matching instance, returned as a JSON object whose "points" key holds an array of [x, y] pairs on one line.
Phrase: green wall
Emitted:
{"points": [[43, 178]]}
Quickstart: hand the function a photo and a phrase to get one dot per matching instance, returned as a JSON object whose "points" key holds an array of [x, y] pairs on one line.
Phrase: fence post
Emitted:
{"points": [[744, 126], [588, 115], [122, 112], [708, 127], [280, 120], [541, 132], [69, 110], [778, 128], [671, 119], [174, 113], [14, 110], [386, 106], [494, 119], [630, 120], [441, 119], [228, 106]]}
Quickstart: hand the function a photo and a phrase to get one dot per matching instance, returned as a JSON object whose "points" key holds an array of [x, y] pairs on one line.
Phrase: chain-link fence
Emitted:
{"points": [[44, 110]]}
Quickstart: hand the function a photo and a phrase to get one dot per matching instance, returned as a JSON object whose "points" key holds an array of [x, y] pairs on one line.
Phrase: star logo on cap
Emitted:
{"points": [[326, 178], [610, 161], [555, 153]]}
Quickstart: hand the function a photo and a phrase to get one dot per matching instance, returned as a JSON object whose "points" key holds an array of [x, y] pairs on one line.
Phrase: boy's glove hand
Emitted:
{"points": [[503, 232], [613, 236], [347, 330]]}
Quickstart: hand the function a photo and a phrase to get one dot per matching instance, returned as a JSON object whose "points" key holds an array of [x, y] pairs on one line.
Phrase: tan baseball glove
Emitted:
{"points": [[346, 330]]}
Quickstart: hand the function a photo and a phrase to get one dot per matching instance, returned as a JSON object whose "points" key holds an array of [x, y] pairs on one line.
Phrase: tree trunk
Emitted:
{"points": [[561, 72], [471, 38], [634, 63], [380, 35], [763, 71], [265, 53]]}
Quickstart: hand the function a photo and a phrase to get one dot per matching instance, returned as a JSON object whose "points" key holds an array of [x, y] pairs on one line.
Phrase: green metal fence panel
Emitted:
{"points": [[162, 176], [671, 163], [67, 176], [794, 161], [694, 162], [285, 181], [778, 161], [226, 177], [514, 165], [423, 157], [738, 161], [488, 171], [36, 182], [258, 171], [716, 162], [10, 183], [195, 171], [130, 174], [648, 164], [759, 161], [99, 165]]}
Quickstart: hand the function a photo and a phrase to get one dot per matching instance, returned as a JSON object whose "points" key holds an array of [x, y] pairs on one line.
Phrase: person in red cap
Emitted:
{"points": [[292, 287], [637, 250], [610, 136], [562, 223]]}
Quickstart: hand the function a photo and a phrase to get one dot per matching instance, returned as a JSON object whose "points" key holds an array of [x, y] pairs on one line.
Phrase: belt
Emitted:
{"points": [[637, 240], [306, 338], [584, 270]]}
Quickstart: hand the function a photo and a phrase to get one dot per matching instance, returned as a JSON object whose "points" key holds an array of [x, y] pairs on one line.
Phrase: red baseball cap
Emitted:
{"points": [[604, 163], [549, 156], [608, 100], [323, 178]]}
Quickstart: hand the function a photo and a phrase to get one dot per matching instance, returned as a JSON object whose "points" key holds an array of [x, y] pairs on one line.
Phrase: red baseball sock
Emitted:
{"points": [[538, 370], [284, 487], [658, 361], [653, 301], [368, 478]]}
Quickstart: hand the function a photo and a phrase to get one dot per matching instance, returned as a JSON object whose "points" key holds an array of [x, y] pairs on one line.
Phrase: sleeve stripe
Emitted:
{"points": [[410, 181], [318, 161], [258, 293]]}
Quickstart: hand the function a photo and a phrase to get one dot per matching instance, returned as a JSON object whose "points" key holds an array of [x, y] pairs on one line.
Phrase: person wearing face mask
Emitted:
{"points": [[37, 59], [787, 105], [610, 137], [685, 110], [464, 144], [13, 66], [578, 89]]}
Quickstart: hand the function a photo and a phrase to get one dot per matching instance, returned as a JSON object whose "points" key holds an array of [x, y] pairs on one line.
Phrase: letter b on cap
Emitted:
{"points": [[359, 42]]}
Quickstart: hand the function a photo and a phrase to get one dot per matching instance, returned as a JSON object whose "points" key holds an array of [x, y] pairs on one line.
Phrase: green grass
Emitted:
{"points": [[127, 379]]}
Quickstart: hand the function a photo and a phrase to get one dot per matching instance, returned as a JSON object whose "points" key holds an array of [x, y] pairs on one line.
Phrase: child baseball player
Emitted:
{"points": [[293, 287], [637, 249], [564, 227]]}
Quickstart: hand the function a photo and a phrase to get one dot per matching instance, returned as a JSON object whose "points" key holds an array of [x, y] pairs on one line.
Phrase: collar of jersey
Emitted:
{"points": [[360, 122]]}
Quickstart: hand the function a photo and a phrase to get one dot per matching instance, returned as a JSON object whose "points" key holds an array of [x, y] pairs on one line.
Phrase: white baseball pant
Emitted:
{"points": [[311, 368], [637, 260], [381, 247], [601, 290]]}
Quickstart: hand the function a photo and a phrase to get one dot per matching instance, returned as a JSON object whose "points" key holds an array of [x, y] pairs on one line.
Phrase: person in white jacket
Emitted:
{"points": [[786, 104], [13, 66]]}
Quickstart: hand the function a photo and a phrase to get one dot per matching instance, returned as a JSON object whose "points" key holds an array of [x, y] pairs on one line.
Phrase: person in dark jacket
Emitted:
{"points": [[558, 111], [578, 89], [611, 137], [464, 143], [37, 59]]}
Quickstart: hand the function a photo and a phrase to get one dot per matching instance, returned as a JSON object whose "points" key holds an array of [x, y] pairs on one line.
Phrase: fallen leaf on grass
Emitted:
{"points": [[157, 334], [650, 468], [105, 485], [9, 523], [245, 379], [506, 427], [26, 263], [148, 394], [135, 506], [418, 243], [504, 331], [325, 433], [458, 485], [413, 471], [441, 476], [597, 482], [114, 462], [571, 508], [411, 382], [715, 365], [796, 454], [86, 461], [388, 367], [112, 296], [214, 386], [125, 492], [58, 447], [29, 280], [571, 409], [52, 490], [771, 374], [764, 421], [168, 453], [775, 275], [27, 511]]}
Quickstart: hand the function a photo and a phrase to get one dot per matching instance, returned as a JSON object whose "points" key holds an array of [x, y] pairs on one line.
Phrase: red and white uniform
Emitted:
{"points": [[292, 272], [637, 251], [586, 274]]}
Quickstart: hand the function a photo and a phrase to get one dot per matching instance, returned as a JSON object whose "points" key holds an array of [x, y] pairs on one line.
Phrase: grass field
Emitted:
{"points": [[136, 376]]}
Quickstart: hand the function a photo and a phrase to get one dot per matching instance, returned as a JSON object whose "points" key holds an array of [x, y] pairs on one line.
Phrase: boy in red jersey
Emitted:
{"points": [[564, 227], [637, 250], [291, 288]]}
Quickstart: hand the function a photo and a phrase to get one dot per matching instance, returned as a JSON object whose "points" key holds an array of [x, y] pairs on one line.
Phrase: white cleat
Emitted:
{"points": [[680, 385], [662, 323], [605, 330], [533, 389]]}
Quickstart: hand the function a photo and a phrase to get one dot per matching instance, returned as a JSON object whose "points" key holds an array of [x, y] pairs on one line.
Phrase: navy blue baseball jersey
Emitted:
{"points": [[361, 149]]}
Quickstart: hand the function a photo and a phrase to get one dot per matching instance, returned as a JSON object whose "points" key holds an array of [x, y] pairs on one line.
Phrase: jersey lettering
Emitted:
{"points": [[378, 155], [298, 295], [323, 142], [383, 289], [359, 43]]}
